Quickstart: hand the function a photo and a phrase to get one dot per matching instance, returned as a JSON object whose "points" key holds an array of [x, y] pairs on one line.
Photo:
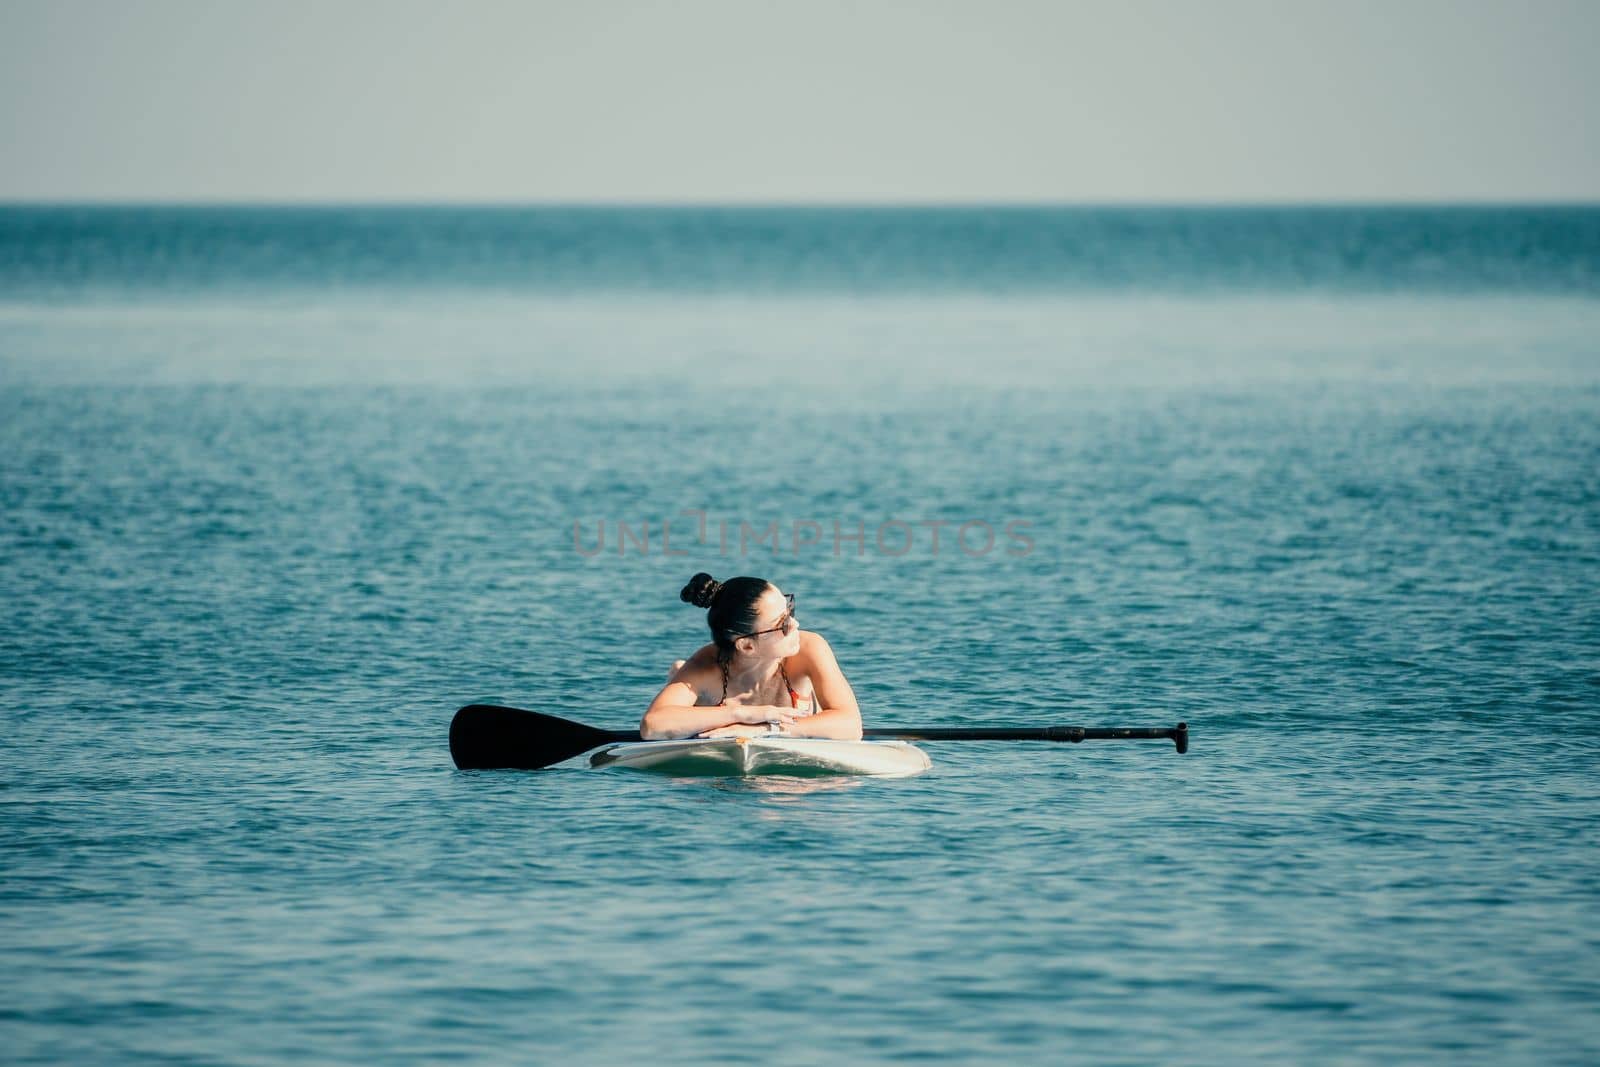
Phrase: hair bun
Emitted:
{"points": [[701, 590]]}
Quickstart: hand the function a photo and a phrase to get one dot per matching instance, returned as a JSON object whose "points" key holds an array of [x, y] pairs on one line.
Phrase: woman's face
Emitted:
{"points": [[775, 616]]}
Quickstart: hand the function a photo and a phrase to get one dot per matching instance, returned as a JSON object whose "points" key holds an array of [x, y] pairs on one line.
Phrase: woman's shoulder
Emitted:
{"points": [[703, 660], [814, 648]]}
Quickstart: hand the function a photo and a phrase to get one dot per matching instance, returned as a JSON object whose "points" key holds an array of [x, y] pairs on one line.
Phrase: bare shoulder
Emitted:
{"points": [[816, 664], [699, 665], [814, 650]]}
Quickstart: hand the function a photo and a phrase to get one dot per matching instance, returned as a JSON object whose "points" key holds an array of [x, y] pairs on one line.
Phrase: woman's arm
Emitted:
{"points": [[838, 714], [672, 714]]}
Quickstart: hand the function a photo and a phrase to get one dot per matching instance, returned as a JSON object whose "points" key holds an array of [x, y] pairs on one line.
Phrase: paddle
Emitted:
{"points": [[490, 737]]}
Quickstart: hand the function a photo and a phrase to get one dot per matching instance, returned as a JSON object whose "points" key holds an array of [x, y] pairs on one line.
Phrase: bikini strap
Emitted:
{"points": [[794, 698]]}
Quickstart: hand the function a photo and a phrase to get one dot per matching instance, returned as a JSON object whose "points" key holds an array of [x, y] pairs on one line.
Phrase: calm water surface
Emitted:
{"points": [[283, 489]]}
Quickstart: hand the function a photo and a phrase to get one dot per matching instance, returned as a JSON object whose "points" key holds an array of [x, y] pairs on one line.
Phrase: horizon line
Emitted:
{"points": [[794, 204]]}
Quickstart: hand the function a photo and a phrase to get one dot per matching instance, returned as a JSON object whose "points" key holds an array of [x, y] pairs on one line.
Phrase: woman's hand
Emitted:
{"points": [[760, 714], [738, 729]]}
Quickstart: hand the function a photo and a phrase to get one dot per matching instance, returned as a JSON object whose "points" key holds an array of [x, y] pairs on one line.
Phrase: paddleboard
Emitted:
{"points": [[797, 757]]}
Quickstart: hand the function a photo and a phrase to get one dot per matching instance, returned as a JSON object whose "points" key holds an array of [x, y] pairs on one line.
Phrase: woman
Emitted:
{"points": [[760, 674]]}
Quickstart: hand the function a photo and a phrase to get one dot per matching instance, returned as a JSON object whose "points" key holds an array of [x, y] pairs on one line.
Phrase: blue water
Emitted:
{"points": [[283, 488]]}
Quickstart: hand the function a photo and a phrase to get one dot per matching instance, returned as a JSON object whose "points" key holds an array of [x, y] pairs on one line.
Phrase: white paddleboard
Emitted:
{"points": [[801, 757]]}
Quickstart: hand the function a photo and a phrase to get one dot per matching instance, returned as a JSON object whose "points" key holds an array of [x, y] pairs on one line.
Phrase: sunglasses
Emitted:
{"points": [[783, 620]]}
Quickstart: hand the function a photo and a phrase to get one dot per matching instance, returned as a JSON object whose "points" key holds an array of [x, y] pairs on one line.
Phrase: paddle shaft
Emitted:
{"points": [[1074, 734], [1178, 735]]}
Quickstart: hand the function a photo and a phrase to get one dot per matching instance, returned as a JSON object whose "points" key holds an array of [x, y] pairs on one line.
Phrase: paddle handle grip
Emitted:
{"points": [[1178, 735]]}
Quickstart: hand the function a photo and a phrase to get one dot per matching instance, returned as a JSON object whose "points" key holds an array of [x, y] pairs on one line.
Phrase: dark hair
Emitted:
{"points": [[732, 605]]}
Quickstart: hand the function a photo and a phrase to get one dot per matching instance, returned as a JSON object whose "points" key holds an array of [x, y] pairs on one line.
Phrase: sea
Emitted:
{"points": [[281, 488]]}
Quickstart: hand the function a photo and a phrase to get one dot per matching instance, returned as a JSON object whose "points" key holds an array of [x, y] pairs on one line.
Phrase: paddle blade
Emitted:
{"points": [[489, 737]]}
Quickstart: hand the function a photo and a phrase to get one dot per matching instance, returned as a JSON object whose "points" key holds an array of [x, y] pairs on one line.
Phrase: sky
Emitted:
{"points": [[820, 101]]}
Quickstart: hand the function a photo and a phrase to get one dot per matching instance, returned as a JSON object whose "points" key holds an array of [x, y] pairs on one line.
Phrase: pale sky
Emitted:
{"points": [[820, 101]]}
